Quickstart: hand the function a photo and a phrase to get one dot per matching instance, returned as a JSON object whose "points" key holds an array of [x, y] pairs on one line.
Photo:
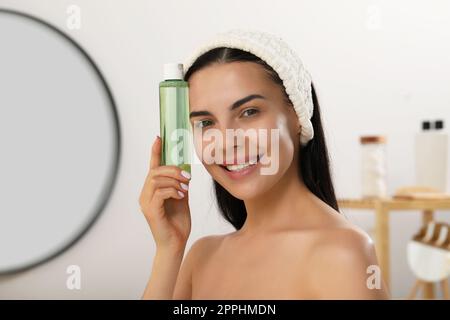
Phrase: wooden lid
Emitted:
{"points": [[372, 139]]}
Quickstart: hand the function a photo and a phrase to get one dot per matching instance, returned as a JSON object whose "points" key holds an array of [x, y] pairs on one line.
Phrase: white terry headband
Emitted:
{"points": [[276, 53]]}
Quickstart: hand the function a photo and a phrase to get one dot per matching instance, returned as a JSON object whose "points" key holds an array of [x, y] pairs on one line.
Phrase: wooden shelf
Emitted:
{"points": [[382, 207], [396, 204]]}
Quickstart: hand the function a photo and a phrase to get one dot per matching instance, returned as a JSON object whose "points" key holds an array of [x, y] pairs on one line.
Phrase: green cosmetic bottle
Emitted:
{"points": [[175, 129]]}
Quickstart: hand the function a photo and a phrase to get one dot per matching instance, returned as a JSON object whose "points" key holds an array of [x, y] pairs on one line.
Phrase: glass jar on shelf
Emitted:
{"points": [[373, 166]]}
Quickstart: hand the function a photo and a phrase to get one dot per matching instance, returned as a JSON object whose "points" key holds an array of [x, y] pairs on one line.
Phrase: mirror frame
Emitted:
{"points": [[117, 146]]}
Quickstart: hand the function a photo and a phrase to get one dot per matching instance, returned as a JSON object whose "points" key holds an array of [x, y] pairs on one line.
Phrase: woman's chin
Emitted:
{"points": [[243, 193], [246, 190]]}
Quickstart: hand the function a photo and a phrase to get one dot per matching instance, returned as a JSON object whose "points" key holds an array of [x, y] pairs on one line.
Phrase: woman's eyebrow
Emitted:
{"points": [[235, 105]]}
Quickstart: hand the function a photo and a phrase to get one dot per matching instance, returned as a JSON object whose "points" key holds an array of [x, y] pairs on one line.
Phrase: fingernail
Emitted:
{"points": [[186, 174], [181, 194], [184, 186]]}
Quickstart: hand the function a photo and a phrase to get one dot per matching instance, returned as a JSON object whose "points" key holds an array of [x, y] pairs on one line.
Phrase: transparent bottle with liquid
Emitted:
{"points": [[175, 128]]}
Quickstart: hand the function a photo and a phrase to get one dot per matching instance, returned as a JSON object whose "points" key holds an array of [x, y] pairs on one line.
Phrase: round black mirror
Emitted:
{"points": [[59, 139]]}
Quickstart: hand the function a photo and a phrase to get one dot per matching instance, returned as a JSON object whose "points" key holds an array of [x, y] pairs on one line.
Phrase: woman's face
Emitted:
{"points": [[265, 124]]}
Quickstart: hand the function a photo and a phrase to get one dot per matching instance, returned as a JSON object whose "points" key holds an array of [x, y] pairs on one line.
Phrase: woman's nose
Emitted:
{"points": [[233, 136]]}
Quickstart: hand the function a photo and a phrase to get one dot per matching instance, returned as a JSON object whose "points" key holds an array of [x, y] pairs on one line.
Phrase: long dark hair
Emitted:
{"points": [[313, 162]]}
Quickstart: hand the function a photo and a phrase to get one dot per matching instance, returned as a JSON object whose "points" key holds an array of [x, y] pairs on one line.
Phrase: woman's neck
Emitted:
{"points": [[278, 207]]}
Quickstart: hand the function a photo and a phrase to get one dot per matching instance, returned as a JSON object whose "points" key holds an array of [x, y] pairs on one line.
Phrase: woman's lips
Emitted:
{"points": [[243, 172], [246, 160]]}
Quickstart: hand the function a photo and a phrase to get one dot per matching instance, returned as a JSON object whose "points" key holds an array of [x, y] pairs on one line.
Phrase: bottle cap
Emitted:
{"points": [[426, 125], [372, 139], [439, 124], [173, 71]]}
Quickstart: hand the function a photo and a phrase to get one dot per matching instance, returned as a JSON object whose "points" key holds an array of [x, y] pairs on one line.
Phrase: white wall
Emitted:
{"points": [[379, 67]]}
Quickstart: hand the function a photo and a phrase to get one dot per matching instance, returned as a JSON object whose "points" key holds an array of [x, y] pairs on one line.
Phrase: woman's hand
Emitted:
{"points": [[164, 202]]}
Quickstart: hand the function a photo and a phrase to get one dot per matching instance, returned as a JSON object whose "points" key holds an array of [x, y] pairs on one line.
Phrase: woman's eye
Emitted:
{"points": [[249, 112], [202, 123]]}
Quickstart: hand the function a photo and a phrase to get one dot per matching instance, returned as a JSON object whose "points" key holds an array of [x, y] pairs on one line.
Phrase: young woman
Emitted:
{"points": [[290, 240]]}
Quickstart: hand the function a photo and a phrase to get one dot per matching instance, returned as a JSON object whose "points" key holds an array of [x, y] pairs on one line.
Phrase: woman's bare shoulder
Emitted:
{"points": [[342, 259], [205, 245], [342, 237], [197, 254], [334, 231]]}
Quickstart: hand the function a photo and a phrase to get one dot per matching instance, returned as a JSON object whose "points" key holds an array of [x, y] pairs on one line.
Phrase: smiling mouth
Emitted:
{"points": [[239, 167]]}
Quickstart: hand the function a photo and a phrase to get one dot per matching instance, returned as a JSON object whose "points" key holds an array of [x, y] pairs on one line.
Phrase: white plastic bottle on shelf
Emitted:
{"points": [[431, 155]]}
